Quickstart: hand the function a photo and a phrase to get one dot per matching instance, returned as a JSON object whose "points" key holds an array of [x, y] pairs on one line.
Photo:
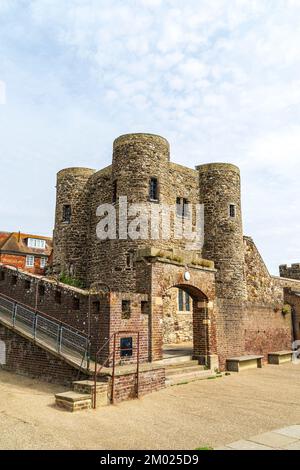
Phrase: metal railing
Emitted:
{"points": [[59, 336], [112, 356]]}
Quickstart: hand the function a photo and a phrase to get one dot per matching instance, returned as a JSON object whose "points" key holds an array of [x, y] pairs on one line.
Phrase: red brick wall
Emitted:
{"points": [[266, 330], [149, 381], [25, 358], [63, 311]]}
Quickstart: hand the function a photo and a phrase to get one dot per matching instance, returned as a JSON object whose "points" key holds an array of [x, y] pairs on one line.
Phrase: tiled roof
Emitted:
{"points": [[16, 242], [3, 237]]}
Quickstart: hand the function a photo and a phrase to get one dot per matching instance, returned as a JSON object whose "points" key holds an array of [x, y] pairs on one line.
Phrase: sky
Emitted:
{"points": [[220, 79]]}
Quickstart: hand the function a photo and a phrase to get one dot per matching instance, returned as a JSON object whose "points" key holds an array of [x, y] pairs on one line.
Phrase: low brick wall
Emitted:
{"points": [[149, 381], [26, 358], [65, 303], [267, 330], [23, 357]]}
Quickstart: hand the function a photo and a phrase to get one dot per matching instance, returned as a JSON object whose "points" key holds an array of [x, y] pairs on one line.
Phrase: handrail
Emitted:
{"points": [[63, 330], [29, 307], [113, 355]]}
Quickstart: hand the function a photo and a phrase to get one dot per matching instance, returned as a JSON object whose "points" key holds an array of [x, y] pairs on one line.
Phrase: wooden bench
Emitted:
{"points": [[237, 364], [280, 357]]}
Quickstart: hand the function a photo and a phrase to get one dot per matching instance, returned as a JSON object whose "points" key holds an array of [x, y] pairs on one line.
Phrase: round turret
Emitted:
{"points": [[138, 158], [71, 221], [223, 231]]}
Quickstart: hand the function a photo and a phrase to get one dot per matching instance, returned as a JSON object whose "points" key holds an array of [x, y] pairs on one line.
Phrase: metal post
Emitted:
{"points": [[113, 371], [88, 354], [59, 339], [14, 314], [34, 325], [95, 384], [138, 365]]}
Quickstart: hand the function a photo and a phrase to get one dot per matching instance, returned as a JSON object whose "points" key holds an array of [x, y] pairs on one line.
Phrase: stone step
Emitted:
{"points": [[188, 377], [174, 360], [87, 386], [182, 370], [176, 365], [73, 401]]}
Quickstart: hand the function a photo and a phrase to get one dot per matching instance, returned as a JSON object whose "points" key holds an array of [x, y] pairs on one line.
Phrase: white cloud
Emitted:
{"points": [[219, 79]]}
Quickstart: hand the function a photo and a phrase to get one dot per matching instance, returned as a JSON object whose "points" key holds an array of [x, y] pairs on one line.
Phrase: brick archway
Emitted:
{"points": [[200, 320], [201, 287]]}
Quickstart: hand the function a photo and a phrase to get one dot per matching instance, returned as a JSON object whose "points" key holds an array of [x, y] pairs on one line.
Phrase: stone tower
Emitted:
{"points": [[291, 272], [220, 193], [71, 216], [136, 159]]}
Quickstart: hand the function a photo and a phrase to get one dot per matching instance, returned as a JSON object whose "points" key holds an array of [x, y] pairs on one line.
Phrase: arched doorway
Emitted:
{"points": [[185, 324]]}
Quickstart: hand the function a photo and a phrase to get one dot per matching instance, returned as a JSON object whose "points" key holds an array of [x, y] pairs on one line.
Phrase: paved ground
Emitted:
{"points": [[287, 438], [203, 413]]}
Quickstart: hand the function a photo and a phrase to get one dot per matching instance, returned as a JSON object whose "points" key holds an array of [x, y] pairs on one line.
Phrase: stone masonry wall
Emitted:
{"points": [[136, 158], [292, 271], [220, 188], [262, 288], [178, 325]]}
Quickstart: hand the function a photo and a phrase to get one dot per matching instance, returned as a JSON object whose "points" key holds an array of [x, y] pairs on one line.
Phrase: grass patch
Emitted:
{"points": [[204, 448], [71, 281]]}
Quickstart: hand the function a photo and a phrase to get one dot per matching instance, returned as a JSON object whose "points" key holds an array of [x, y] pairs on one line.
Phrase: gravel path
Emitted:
{"points": [[203, 413]]}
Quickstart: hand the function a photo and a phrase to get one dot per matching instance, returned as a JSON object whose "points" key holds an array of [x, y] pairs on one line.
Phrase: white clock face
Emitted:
{"points": [[187, 276]]}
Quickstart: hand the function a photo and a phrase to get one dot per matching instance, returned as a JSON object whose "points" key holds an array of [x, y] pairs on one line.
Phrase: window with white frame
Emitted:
{"points": [[36, 243], [29, 261], [43, 262]]}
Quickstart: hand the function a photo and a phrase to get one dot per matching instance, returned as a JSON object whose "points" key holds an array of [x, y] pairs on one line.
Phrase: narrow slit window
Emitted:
{"points": [[129, 259], [187, 302], [96, 306], [57, 297], [153, 191], [182, 207], [179, 206], [144, 307], [115, 191], [126, 309], [232, 210], [67, 213], [76, 303], [180, 300], [41, 290], [185, 208]]}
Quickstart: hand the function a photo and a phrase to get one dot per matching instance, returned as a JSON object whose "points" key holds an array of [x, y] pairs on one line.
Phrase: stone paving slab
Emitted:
{"points": [[247, 445], [287, 438], [273, 439], [294, 446], [293, 431]]}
